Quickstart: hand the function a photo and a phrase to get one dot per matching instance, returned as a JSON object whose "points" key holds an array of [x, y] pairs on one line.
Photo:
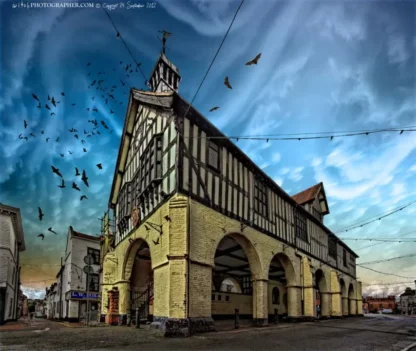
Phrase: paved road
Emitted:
{"points": [[375, 333]]}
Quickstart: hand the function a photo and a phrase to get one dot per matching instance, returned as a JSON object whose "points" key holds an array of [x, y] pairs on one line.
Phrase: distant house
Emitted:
{"points": [[376, 304], [12, 242], [407, 303], [67, 298]]}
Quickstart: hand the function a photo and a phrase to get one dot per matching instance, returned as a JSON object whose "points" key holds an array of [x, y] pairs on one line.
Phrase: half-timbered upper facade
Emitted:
{"points": [[163, 153]]}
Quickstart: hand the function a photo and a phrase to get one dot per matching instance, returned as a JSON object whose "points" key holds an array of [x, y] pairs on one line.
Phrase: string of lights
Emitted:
{"points": [[396, 275], [389, 284], [387, 259], [379, 217], [301, 136], [401, 236]]}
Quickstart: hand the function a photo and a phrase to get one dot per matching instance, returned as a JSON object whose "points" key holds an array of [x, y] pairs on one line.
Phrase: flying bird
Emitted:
{"points": [[118, 35], [62, 185], [214, 108], [47, 139], [254, 61], [56, 171], [93, 83], [77, 172], [32, 135], [84, 178], [46, 106], [41, 215], [49, 98], [95, 110], [51, 230], [111, 111], [52, 113], [57, 139], [35, 97], [41, 236], [157, 241], [70, 152], [42, 132], [25, 123], [75, 186], [62, 155], [83, 197], [99, 165], [63, 94], [122, 83], [73, 104], [227, 83], [76, 136], [39, 106], [89, 64], [83, 141], [53, 101]]}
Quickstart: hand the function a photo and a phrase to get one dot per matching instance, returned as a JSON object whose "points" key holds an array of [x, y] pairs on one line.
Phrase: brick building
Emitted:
{"points": [[201, 230], [376, 304]]}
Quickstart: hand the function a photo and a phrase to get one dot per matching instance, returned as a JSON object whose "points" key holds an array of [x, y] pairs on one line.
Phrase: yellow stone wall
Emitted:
{"points": [[208, 227], [243, 302]]}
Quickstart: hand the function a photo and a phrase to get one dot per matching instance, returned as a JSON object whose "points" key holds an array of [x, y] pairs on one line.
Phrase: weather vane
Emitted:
{"points": [[165, 34]]}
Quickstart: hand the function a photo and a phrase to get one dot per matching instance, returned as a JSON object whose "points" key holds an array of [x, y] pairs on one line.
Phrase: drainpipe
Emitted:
{"points": [[302, 276]]}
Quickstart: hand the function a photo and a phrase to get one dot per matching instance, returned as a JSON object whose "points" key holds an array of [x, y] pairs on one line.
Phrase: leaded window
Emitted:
{"points": [[332, 247], [151, 162], [213, 155], [247, 285], [94, 282], [95, 254], [300, 226], [260, 198]]}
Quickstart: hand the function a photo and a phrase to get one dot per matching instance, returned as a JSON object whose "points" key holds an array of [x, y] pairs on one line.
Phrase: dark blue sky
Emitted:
{"points": [[325, 66]]}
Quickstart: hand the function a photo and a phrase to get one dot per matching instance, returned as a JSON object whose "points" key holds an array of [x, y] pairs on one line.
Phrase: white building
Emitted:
{"points": [[12, 242], [407, 304], [67, 298]]}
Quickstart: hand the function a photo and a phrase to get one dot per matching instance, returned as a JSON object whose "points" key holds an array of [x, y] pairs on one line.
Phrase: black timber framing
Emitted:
{"points": [[180, 105]]}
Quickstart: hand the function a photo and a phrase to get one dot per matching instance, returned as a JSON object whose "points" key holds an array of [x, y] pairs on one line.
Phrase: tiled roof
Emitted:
{"points": [[307, 195], [85, 236]]}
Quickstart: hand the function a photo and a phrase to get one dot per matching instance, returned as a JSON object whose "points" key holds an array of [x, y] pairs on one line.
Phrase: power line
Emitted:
{"points": [[377, 219], [213, 60], [400, 276], [386, 260], [401, 236]]}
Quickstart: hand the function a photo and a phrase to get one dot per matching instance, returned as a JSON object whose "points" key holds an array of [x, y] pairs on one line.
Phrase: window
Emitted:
{"points": [[260, 198], [275, 296], [344, 257], [219, 297], [300, 226], [316, 213], [151, 156], [94, 282], [213, 155], [332, 247], [227, 298], [95, 254], [247, 285], [124, 202]]}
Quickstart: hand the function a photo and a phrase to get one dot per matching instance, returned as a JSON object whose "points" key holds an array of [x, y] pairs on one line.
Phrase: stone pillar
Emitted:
{"points": [[260, 302], [294, 301], [309, 299], [336, 305], [345, 306], [353, 307], [104, 300], [123, 301], [359, 299], [325, 304]]}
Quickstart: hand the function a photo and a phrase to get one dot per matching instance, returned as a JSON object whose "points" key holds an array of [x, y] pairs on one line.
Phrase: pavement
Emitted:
{"points": [[372, 332]]}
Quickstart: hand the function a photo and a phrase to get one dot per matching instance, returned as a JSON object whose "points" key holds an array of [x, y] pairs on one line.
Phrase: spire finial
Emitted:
{"points": [[165, 34]]}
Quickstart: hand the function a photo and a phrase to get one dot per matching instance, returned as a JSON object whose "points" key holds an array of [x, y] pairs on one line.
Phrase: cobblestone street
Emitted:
{"points": [[375, 333]]}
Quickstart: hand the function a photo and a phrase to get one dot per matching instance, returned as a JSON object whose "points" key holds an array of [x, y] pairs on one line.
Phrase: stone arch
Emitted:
{"points": [[322, 296], [344, 297], [282, 274], [248, 248], [352, 302], [129, 257]]}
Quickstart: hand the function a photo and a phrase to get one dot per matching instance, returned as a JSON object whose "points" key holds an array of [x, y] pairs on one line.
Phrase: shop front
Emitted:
{"points": [[77, 302]]}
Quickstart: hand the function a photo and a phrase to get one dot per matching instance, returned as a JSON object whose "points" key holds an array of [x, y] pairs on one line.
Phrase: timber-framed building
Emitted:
{"points": [[201, 230]]}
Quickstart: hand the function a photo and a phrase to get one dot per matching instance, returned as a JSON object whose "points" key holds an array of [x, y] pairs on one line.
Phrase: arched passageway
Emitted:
{"points": [[282, 297], [322, 296], [141, 281], [352, 302], [344, 298], [231, 280]]}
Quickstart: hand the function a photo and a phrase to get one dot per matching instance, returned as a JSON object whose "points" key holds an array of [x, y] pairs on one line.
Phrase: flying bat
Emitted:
{"points": [[41, 215], [254, 61]]}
